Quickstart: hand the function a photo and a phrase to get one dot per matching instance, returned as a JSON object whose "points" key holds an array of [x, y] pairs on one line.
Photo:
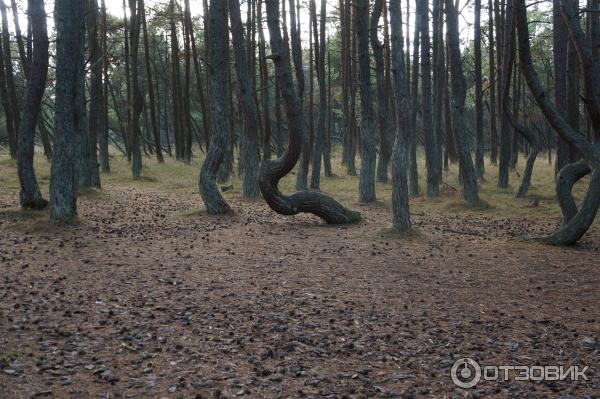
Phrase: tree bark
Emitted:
{"points": [[30, 196]]}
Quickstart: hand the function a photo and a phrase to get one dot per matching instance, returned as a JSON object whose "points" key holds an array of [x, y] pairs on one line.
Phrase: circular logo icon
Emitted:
{"points": [[466, 373]]}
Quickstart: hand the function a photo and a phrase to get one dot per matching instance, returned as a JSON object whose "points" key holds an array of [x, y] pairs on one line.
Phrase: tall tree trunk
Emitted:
{"points": [[400, 194], [413, 174], [13, 98], [249, 140], [70, 31], [19, 37], [505, 128], [264, 85], [96, 117], [219, 50], [127, 56], [7, 105], [366, 186], [459, 91], [431, 153], [383, 102], [492, 86], [560, 49], [186, 115], [319, 144], [176, 108], [439, 79], [479, 142], [103, 128], [30, 196], [137, 100], [150, 86], [273, 170]]}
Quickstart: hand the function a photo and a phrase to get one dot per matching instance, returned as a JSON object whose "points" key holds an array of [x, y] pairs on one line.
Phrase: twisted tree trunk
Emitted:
{"points": [[578, 224], [272, 171]]}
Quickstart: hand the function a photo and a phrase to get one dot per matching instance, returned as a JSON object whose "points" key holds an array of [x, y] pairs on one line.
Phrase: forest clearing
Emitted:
{"points": [[299, 199]]}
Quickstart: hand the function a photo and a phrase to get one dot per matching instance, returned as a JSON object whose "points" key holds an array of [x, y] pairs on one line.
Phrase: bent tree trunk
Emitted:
{"points": [[215, 203], [565, 180], [271, 171], [70, 32], [30, 196], [575, 228]]}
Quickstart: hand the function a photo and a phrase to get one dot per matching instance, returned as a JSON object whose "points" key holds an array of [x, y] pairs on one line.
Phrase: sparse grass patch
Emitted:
{"points": [[178, 177]]}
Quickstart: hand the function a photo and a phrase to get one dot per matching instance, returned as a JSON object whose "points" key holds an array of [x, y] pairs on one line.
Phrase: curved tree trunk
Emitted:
{"points": [[565, 180], [576, 227], [30, 196], [272, 171], [249, 140], [219, 50]]}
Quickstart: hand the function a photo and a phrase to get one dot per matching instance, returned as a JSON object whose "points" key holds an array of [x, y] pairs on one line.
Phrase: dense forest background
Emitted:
{"points": [[374, 81]]}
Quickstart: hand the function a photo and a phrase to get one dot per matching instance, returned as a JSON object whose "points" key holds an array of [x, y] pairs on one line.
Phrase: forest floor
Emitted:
{"points": [[148, 296]]}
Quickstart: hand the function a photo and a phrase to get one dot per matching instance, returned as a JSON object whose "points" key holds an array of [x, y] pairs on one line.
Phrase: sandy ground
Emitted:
{"points": [[145, 299]]}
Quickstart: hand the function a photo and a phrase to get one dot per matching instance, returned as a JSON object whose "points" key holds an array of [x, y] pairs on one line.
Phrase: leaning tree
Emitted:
{"points": [[271, 171]]}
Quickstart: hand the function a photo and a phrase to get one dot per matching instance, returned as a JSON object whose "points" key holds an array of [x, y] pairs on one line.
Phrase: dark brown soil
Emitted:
{"points": [[146, 299]]}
